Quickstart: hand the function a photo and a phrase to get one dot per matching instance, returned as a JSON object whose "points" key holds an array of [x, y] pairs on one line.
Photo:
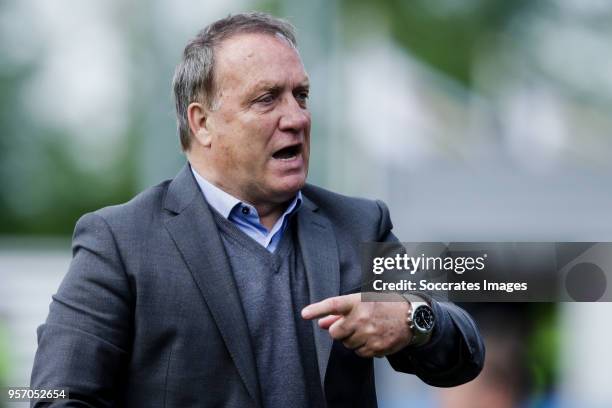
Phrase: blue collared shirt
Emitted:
{"points": [[245, 216]]}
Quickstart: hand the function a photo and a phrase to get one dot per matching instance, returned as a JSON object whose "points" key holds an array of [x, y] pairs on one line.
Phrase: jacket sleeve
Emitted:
{"points": [[84, 343], [455, 352]]}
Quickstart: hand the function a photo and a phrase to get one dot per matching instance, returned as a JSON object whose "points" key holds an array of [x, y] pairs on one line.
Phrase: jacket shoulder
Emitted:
{"points": [[348, 210], [142, 207]]}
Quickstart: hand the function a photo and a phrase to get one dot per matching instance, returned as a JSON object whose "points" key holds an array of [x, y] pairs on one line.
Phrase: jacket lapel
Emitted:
{"points": [[194, 232], [320, 254]]}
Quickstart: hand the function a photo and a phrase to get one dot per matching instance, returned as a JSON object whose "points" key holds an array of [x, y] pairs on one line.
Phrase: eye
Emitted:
{"points": [[302, 96], [266, 99]]}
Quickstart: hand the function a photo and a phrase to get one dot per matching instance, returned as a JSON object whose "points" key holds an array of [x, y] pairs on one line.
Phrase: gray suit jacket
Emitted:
{"points": [[148, 314]]}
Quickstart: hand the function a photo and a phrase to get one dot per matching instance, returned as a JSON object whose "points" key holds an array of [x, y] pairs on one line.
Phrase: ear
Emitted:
{"points": [[198, 118]]}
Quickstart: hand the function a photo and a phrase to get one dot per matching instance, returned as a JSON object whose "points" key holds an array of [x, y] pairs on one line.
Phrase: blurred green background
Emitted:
{"points": [[474, 120]]}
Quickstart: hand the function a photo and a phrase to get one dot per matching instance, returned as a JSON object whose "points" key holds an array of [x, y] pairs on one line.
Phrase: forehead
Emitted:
{"points": [[246, 59]]}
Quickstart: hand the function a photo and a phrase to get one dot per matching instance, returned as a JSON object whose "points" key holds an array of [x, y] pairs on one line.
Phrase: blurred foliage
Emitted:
{"points": [[273, 7], [444, 34], [544, 347], [70, 192], [45, 188]]}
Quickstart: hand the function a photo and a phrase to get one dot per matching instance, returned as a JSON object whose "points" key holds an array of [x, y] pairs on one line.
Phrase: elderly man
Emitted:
{"points": [[234, 283]]}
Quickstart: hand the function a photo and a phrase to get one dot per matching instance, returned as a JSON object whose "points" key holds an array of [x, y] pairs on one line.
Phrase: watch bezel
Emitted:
{"points": [[417, 326]]}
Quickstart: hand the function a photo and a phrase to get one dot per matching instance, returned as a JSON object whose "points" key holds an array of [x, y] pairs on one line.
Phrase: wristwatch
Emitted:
{"points": [[421, 320]]}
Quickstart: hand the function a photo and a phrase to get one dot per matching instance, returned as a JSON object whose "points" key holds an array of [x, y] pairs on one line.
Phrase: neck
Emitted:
{"points": [[269, 212]]}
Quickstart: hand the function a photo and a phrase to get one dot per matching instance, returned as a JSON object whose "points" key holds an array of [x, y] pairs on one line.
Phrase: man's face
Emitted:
{"points": [[260, 131]]}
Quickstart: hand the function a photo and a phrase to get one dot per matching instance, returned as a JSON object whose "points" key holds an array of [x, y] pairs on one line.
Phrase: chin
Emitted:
{"points": [[289, 186]]}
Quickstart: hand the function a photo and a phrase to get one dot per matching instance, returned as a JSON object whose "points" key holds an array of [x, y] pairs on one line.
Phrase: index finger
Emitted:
{"points": [[338, 305]]}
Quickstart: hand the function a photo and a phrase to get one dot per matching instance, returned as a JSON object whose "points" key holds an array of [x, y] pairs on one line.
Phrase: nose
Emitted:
{"points": [[294, 117]]}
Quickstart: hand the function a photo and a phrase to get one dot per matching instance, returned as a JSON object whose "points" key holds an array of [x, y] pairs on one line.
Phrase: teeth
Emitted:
{"points": [[288, 153]]}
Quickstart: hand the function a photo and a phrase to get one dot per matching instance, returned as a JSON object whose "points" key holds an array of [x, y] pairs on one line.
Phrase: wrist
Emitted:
{"points": [[420, 320]]}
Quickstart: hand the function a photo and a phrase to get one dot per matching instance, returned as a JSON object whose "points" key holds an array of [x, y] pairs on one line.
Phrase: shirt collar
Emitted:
{"points": [[224, 202]]}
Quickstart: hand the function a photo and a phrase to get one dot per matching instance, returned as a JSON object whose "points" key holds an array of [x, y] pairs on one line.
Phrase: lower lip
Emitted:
{"points": [[296, 162]]}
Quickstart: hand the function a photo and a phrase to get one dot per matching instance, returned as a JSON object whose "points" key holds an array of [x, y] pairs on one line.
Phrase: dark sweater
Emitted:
{"points": [[273, 289]]}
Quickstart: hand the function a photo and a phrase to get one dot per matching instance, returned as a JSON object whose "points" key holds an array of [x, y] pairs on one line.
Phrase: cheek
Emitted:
{"points": [[244, 139], [242, 152], [307, 148], [233, 142], [254, 139]]}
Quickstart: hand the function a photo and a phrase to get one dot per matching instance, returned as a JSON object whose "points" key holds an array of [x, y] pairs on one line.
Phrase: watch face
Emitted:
{"points": [[424, 318]]}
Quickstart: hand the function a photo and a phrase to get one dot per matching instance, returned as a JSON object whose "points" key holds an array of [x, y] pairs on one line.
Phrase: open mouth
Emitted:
{"points": [[288, 153]]}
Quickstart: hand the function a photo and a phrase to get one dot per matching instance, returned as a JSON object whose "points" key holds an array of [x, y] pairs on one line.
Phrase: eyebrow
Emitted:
{"points": [[303, 85], [275, 87]]}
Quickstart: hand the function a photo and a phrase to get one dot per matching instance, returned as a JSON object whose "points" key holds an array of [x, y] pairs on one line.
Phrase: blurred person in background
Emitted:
{"points": [[519, 371], [202, 290], [505, 380]]}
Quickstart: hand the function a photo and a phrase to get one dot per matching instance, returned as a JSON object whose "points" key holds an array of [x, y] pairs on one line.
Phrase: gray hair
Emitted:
{"points": [[194, 76]]}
